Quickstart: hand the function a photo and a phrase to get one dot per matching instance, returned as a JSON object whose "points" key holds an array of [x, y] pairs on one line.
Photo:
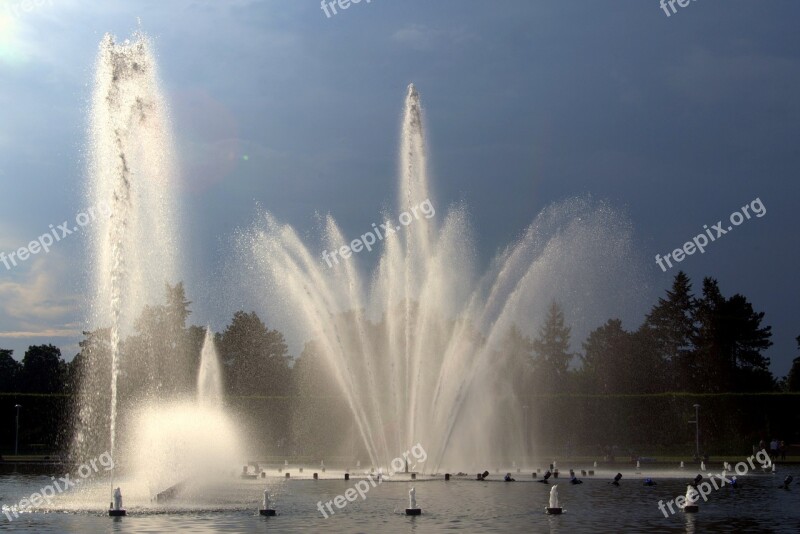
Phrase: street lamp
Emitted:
{"points": [[16, 436], [696, 423]]}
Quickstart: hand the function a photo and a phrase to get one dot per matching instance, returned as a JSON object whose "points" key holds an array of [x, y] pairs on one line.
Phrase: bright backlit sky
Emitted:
{"points": [[677, 121]]}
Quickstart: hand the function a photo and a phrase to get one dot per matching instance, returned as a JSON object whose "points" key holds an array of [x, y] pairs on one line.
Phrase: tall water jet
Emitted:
{"points": [[414, 190], [164, 424], [209, 376], [131, 182], [416, 348]]}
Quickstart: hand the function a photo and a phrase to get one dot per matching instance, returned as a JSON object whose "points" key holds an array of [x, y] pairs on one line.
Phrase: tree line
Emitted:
{"points": [[705, 343], [687, 344]]}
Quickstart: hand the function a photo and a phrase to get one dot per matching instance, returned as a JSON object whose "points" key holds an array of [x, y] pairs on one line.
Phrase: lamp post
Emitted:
{"points": [[16, 434], [696, 423]]}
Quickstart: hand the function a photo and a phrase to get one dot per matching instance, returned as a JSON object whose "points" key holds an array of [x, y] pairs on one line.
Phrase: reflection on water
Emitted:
{"points": [[691, 522]]}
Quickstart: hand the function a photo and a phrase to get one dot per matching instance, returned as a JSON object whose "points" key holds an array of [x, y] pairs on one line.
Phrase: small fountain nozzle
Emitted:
{"points": [[412, 503], [554, 508], [692, 500], [267, 511], [116, 509]]}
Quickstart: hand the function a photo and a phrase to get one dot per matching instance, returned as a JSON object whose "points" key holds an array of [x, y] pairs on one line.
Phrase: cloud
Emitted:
{"points": [[36, 303], [50, 332]]}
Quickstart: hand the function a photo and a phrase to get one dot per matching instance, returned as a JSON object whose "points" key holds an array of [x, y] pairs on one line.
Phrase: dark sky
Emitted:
{"points": [[677, 121]]}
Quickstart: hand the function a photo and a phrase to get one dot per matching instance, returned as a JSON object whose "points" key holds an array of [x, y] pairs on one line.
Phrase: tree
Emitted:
{"points": [[158, 359], [90, 370], [177, 308], [516, 361], [256, 358], [9, 372], [89, 374], [319, 410], [793, 379], [312, 375], [43, 370], [668, 331], [256, 363], [730, 341], [607, 353], [551, 349]]}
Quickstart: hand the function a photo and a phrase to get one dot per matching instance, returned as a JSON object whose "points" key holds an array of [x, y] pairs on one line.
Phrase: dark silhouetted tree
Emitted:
{"points": [[43, 370], [610, 363], [729, 343], [551, 350], [256, 364], [667, 333], [9, 372], [793, 379], [92, 364], [255, 357]]}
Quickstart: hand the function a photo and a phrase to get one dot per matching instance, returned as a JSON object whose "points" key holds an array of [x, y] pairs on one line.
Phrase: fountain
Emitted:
{"points": [[422, 339], [209, 376], [134, 250], [177, 441], [116, 509], [422, 335], [692, 500], [412, 503], [164, 425], [554, 508], [266, 510]]}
